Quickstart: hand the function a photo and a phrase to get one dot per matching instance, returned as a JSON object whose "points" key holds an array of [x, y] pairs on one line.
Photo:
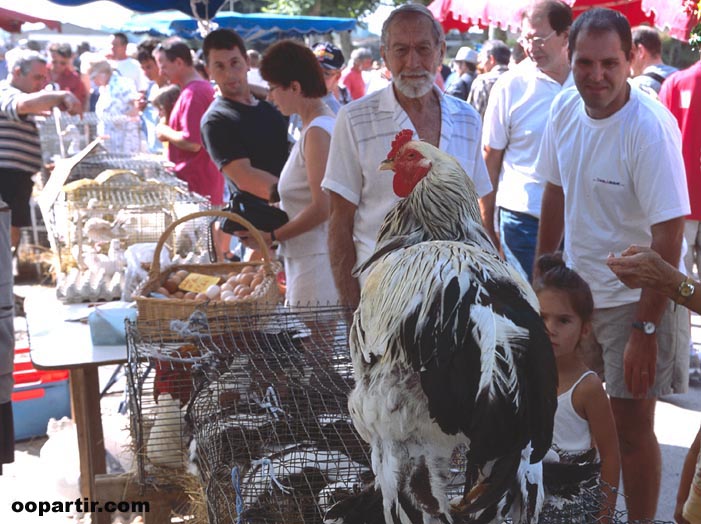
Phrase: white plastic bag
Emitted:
{"points": [[60, 460]]}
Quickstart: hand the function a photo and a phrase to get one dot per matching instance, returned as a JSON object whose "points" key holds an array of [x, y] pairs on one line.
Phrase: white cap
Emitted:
{"points": [[467, 54]]}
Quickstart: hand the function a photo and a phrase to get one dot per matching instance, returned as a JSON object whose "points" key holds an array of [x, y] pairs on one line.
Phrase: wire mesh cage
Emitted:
{"points": [[94, 222], [260, 412], [71, 133]]}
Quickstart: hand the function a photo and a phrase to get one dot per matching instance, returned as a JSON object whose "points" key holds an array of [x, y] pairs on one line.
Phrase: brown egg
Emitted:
{"points": [[248, 269], [181, 274], [163, 291], [179, 294], [171, 286], [243, 291], [257, 281], [190, 295], [201, 296], [246, 279], [231, 275]]}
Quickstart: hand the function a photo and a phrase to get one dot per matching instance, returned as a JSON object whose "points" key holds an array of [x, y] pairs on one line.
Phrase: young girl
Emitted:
{"points": [[583, 419]]}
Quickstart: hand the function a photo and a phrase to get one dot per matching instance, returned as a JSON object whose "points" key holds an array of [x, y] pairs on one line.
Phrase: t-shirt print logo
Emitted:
{"points": [[609, 182]]}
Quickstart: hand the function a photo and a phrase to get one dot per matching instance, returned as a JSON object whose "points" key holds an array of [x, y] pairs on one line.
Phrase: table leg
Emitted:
{"points": [[85, 400]]}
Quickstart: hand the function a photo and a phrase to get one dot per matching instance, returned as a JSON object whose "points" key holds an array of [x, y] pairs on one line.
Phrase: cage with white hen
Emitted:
{"points": [[94, 222]]}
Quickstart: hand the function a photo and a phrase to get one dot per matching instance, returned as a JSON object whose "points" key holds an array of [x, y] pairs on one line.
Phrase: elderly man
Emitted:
{"points": [[615, 176], [513, 124], [21, 96], [412, 46]]}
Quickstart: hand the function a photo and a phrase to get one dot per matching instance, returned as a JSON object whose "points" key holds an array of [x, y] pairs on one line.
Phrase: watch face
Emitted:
{"points": [[649, 328], [686, 289]]}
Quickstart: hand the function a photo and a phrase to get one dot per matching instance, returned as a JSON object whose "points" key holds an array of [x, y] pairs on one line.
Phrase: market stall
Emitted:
{"points": [[675, 15]]}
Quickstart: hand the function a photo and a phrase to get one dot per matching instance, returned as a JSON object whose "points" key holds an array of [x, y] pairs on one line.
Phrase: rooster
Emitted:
{"points": [[448, 349]]}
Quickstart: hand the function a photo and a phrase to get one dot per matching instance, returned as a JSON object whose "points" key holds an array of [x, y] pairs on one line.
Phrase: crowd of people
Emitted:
{"points": [[578, 139]]}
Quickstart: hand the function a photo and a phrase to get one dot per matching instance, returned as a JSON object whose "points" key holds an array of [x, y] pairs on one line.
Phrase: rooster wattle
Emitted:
{"points": [[448, 348]]}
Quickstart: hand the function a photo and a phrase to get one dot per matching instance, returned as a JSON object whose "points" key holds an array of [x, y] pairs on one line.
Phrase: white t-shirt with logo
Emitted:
{"points": [[620, 175]]}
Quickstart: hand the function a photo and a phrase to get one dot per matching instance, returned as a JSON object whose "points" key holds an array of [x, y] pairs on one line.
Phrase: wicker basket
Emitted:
{"points": [[152, 310]]}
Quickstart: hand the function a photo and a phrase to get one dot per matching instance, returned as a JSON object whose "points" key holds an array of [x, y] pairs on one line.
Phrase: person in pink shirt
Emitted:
{"points": [[681, 93], [185, 147], [352, 77]]}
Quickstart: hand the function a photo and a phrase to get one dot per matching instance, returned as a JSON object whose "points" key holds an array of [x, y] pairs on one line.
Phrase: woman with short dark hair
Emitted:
{"points": [[296, 86]]}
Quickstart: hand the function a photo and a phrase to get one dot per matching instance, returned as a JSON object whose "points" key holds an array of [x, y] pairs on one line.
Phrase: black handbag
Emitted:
{"points": [[257, 211]]}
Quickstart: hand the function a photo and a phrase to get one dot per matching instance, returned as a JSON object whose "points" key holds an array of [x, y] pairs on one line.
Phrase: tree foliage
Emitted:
{"points": [[339, 8]]}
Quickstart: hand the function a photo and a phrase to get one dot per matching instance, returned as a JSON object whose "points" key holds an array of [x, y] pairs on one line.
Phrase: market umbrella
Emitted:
{"points": [[675, 15], [11, 21], [262, 27], [204, 9]]}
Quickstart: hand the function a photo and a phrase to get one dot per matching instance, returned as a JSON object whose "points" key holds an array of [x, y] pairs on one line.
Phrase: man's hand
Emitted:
{"points": [[70, 103], [639, 362]]}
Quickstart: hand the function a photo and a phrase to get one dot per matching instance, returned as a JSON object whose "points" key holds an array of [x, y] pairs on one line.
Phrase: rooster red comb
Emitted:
{"points": [[402, 138]]}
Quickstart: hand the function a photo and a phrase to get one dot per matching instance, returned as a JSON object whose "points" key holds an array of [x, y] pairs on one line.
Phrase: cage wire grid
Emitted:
{"points": [[83, 224], [259, 412]]}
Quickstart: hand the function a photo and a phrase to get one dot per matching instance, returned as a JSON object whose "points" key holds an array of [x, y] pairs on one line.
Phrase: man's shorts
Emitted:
{"points": [[16, 189], [611, 330]]}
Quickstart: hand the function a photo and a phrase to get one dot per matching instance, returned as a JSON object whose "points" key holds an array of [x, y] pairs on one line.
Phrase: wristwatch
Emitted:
{"points": [[686, 290], [649, 328]]}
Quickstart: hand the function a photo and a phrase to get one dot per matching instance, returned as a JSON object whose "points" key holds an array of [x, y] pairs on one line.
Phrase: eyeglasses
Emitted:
{"points": [[535, 41]]}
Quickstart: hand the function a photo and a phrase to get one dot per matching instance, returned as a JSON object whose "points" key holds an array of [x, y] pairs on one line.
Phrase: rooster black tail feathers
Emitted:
{"points": [[509, 486], [362, 508], [485, 487]]}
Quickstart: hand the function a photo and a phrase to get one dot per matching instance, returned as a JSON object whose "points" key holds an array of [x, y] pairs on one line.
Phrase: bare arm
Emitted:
{"points": [[640, 354], [250, 179], [640, 266], [686, 478], [342, 249], [493, 159], [597, 411], [552, 220], [316, 152], [41, 101], [165, 133]]}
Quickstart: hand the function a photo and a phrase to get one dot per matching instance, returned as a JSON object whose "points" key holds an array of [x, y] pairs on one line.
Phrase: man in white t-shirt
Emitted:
{"points": [[128, 67], [615, 176], [412, 46], [513, 125]]}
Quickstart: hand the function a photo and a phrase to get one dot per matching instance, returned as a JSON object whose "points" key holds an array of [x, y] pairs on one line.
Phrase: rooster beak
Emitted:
{"points": [[387, 165]]}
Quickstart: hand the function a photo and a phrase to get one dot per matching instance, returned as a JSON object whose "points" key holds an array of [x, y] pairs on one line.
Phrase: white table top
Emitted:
{"points": [[57, 343]]}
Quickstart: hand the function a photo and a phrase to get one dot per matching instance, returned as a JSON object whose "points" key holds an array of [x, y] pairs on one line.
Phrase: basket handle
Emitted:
{"points": [[155, 269]]}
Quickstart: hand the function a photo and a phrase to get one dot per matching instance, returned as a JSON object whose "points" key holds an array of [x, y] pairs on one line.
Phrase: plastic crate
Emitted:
{"points": [[37, 396]]}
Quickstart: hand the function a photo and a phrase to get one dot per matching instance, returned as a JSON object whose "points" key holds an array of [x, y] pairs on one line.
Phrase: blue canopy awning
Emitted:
{"points": [[259, 26], [205, 8]]}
